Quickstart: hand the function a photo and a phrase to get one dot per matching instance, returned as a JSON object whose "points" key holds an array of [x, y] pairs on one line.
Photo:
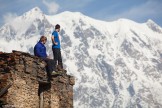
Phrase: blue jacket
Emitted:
{"points": [[56, 38], [40, 50]]}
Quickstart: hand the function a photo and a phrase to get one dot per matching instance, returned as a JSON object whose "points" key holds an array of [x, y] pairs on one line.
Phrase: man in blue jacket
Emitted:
{"points": [[40, 51]]}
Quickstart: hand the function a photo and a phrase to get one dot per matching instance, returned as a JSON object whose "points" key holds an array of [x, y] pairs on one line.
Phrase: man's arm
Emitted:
{"points": [[38, 51], [53, 40]]}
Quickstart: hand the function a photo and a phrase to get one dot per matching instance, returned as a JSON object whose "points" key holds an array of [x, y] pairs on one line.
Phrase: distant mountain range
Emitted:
{"points": [[116, 64]]}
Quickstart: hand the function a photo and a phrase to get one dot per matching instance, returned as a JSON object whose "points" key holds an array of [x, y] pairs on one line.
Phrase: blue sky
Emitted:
{"points": [[108, 10]]}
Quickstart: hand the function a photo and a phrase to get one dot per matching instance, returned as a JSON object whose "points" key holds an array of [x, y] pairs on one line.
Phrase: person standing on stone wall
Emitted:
{"points": [[56, 48], [40, 51]]}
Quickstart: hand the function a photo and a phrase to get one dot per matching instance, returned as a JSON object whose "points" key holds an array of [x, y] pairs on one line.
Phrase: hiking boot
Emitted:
{"points": [[61, 69], [56, 73], [44, 80]]}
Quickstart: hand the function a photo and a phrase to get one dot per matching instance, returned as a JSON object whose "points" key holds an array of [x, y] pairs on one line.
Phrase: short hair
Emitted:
{"points": [[43, 38], [57, 26]]}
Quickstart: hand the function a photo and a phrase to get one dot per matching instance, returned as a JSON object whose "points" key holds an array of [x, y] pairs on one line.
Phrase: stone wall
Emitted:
{"points": [[20, 74]]}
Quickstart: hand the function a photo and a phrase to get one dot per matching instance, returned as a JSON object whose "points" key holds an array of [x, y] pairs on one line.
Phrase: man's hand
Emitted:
{"points": [[55, 43], [48, 57]]}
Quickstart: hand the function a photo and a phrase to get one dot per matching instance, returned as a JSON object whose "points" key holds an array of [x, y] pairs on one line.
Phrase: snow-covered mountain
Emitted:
{"points": [[116, 64]]}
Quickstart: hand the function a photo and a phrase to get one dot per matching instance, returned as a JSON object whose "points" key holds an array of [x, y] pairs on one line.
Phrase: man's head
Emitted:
{"points": [[43, 39], [57, 27]]}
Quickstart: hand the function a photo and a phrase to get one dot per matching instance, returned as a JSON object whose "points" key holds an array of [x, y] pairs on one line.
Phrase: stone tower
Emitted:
{"points": [[21, 86]]}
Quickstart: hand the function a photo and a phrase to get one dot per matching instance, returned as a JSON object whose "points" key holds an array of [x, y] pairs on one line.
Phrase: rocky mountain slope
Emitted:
{"points": [[116, 64]]}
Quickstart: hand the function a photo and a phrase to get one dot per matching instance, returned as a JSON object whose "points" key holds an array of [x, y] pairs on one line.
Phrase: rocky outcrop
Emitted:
{"points": [[21, 86]]}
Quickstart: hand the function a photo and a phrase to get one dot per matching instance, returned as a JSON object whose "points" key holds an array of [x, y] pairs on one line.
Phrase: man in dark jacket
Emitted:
{"points": [[40, 51]]}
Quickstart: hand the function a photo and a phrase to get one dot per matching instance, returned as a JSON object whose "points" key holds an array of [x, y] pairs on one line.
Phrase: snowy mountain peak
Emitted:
{"points": [[70, 19], [152, 25], [35, 10], [33, 14], [150, 21], [26, 26], [71, 15]]}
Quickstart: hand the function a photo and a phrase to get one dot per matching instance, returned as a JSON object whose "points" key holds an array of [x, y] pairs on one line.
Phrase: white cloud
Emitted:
{"points": [[51, 6], [8, 17]]}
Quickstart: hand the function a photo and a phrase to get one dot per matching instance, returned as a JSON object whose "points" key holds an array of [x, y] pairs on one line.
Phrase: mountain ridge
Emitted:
{"points": [[37, 10]]}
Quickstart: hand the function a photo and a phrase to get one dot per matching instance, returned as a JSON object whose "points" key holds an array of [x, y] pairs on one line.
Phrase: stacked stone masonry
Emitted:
{"points": [[20, 87]]}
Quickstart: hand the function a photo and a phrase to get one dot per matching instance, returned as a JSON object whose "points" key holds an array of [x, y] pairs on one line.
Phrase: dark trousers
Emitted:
{"points": [[49, 67], [57, 56]]}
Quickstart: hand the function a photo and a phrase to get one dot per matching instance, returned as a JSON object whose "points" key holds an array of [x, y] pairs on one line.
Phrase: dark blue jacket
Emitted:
{"points": [[40, 50]]}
